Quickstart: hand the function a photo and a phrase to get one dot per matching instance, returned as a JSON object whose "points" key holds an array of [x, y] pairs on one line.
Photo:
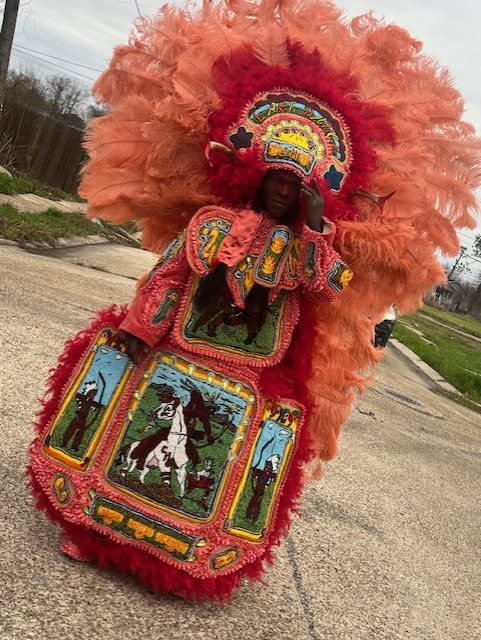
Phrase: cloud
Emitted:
{"points": [[86, 32]]}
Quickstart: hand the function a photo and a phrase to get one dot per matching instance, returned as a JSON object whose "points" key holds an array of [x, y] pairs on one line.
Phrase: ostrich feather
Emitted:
{"points": [[271, 48]]}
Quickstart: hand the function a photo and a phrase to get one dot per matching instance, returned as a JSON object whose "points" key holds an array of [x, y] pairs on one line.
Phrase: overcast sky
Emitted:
{"points": [[86, 31]]}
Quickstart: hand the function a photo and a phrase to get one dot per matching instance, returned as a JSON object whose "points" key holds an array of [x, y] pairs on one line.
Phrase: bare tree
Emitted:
{"points": [[26, 89], [96, 111], [477, 246], [475, 304], [64, 96]]}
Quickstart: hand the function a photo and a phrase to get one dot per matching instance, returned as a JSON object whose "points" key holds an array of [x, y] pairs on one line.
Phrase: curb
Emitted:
{"points": [[8, 243], [428, 371], [65, 243], [33, 203], [60, 243]]}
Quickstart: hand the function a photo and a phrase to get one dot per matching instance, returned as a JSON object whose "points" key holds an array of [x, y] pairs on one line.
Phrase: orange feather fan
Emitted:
{"points": [[147, 159]]}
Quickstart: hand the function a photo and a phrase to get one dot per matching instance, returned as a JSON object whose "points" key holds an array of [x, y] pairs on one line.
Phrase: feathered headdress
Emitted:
{"points": [[205, 100]]}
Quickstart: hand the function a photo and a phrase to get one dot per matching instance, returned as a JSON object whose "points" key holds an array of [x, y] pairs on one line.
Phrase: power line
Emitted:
{"points": [[48, 55], [53, 64], [138, 9]]}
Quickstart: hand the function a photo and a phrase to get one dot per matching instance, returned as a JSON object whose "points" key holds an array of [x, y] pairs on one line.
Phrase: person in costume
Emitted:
{"points": [[272, 152], [232, 291]]}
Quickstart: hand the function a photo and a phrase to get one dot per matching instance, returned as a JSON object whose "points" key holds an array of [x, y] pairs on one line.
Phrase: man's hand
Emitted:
{"points": [[314, 205], [136, 348]]}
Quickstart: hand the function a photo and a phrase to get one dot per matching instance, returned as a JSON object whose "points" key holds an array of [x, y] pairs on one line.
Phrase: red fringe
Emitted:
{"points": [[151, 572]]}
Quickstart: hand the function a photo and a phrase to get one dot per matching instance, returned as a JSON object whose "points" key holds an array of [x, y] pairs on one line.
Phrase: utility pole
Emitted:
{"points": [[461, 253], [6, 39]]}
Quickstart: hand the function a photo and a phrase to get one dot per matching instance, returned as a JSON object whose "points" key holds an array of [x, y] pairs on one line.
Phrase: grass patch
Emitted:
{"points": [[27, 184], [455, 357], [458, 320], [11, 186], [49, 226], [46, 227]]}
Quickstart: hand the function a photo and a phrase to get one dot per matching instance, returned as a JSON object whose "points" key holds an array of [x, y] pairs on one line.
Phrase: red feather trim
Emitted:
{"points": [[287, 379]]}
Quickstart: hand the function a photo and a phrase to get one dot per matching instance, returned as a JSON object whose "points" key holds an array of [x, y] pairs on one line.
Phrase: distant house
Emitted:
{"points": [[451, 296]]}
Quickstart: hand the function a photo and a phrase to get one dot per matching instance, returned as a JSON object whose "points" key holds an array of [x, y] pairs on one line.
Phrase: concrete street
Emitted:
{"points": [[388, 546]]}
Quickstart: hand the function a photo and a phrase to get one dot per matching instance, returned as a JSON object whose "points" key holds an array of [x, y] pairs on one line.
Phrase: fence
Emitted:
{"points": [[47, 149]]}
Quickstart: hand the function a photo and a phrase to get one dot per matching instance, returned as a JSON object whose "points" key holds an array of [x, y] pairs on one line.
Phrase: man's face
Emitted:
{"points": [[281, 193]]}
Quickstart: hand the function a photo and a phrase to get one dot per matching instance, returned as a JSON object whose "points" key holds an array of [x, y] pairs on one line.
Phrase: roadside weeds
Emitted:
{"points": [[52, 227], [454, 355]]}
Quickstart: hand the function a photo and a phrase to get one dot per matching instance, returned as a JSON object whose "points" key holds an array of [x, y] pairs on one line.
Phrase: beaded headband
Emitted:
{"points": [[294, 131]]}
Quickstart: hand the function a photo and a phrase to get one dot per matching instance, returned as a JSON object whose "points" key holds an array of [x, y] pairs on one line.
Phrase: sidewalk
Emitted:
{"points": [[31, 203], [428, 371], [460, 331]]}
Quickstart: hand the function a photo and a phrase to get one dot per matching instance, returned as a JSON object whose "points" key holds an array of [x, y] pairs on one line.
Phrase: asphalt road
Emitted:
{"points": [[388, 546]]}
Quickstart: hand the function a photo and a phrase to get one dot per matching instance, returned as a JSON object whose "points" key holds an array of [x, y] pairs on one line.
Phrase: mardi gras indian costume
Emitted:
{"points": [[183, 465]]}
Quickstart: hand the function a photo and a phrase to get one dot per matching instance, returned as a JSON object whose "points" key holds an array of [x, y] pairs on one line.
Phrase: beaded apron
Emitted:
{"points": [[180, 459]]}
